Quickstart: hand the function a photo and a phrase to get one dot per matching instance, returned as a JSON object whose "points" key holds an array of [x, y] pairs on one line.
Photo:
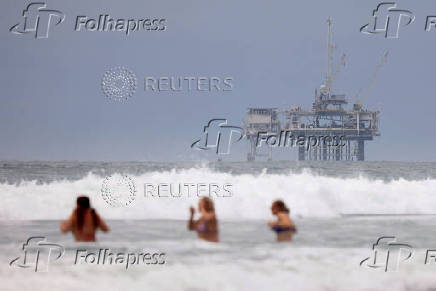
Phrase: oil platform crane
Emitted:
{"points": [[328, 118], [359, 103]]}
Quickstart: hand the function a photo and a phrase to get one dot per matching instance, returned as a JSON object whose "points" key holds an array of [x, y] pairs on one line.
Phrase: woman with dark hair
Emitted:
{"points": [[84, 221], [207, 225], [283, 226]]}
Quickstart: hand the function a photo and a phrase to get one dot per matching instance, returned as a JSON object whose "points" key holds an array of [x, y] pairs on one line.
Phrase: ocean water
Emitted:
{"points": [[47, 190], [340, 209]]}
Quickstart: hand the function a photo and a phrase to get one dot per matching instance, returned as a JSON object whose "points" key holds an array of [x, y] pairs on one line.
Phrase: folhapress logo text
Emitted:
{"points": [[38, 20]]}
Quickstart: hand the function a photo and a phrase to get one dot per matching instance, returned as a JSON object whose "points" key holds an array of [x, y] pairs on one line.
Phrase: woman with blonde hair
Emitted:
{"points": [[207, 225]]}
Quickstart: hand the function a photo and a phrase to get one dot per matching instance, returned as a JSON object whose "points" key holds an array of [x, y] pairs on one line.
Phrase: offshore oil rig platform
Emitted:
{"points": [[327, 118]]}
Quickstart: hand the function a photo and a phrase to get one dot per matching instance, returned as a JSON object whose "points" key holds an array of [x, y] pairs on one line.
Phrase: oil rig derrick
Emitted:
{"points": [[328, 119]]}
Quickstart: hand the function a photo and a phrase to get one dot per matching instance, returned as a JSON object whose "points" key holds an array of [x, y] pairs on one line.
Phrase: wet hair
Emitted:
{"points": [[280, 206], [208, 204], [83, 204]]}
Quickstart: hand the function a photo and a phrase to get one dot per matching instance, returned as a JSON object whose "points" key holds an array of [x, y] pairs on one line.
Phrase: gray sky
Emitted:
{"points": [[53, 108]]}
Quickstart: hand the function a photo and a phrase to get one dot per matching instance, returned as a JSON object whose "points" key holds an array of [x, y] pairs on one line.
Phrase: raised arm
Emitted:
{"points": [[192, 224], [67, 225]]}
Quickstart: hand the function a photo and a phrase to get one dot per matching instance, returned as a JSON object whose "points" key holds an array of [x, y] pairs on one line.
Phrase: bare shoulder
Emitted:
{"points": [[283, 216], [284, 219]]}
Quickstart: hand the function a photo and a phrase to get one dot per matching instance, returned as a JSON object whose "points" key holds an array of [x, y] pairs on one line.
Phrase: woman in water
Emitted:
{"points": [[207, 225], [84, 221], [283, 226]]}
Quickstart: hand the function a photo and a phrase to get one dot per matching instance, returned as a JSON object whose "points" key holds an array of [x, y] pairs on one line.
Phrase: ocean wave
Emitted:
{"points": [[307, 195]]}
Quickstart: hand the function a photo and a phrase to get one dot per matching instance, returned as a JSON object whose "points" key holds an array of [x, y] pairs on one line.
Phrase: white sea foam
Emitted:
{"points": [[307, 195], [286, 269]]}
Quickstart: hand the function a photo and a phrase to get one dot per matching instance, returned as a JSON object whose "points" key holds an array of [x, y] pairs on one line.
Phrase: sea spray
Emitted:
{"points": [[307, 194]]}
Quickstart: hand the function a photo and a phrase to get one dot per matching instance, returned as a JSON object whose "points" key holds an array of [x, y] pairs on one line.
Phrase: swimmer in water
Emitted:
{"points": [[283, 226], [207, 225], [84, 221]]}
